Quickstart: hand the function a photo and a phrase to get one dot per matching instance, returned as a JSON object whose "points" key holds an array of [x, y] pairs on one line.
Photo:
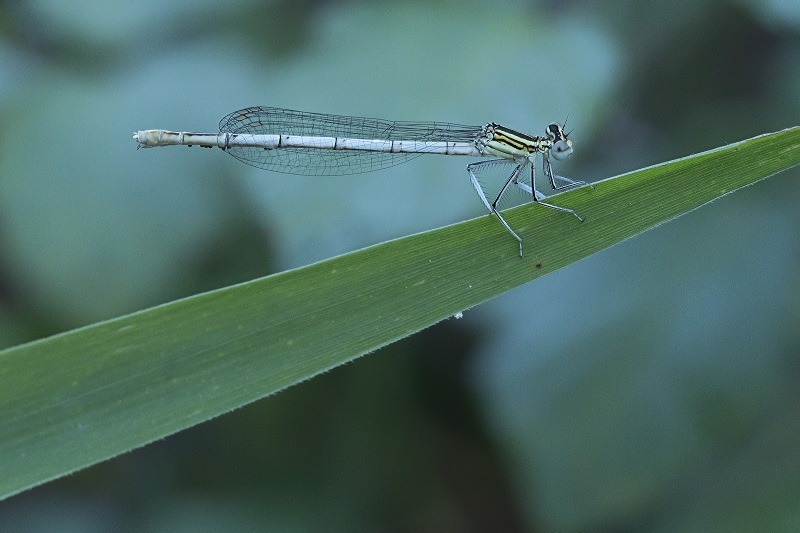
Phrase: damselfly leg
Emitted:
{"points": [[513, 179], [493, 206], [548, 170]]}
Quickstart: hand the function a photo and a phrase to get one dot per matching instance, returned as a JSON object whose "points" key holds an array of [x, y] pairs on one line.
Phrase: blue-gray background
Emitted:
{"points": [[650, 387]]}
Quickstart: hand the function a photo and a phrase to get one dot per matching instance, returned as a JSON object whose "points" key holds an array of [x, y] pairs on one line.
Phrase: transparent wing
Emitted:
{"points": [[277, 121]]}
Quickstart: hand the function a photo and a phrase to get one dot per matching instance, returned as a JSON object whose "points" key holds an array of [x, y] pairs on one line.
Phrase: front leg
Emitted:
{"points": [[548, 170]]}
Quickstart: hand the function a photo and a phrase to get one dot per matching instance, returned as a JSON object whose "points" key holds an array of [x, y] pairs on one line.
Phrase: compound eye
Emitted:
{"points": [[561, 149], [555, 132]]}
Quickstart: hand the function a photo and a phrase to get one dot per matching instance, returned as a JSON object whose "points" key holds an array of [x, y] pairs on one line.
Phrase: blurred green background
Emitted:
{"points": [[652, 387]]}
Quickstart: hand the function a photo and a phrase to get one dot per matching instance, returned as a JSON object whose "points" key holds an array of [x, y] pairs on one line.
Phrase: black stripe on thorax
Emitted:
{"points": [[516, 139]]}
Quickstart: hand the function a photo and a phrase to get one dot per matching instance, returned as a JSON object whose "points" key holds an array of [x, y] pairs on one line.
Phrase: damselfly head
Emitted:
{"points": [[562, 147], [555, 132]]}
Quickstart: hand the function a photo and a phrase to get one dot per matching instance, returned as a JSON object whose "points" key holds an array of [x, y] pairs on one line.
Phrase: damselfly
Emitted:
{"points": [[297, 142]]}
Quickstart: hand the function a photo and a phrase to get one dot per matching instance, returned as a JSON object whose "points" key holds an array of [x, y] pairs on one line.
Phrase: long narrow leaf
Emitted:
{"points": [[74, 399]]}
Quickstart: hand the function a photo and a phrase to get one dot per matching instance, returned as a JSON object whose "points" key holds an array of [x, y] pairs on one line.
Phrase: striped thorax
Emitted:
{"points": [[504, 142]]}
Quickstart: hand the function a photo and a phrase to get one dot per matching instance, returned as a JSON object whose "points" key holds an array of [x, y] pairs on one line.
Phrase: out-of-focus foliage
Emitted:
{"points": [[658, 394]]}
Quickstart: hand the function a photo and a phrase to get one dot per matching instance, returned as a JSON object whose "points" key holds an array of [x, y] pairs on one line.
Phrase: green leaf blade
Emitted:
{"points": [[78, 398]]}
